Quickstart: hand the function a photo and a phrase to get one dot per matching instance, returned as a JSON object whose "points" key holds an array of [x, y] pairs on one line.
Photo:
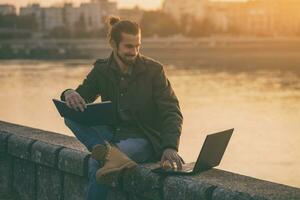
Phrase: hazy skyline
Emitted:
{"points": [[146, 4]]}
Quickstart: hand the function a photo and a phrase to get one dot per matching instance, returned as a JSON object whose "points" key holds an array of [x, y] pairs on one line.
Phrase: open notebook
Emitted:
{"points": [[95, 113]]}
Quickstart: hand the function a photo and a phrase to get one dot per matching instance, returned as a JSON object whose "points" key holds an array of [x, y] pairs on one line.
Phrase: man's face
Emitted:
{"points": [[128, 49]]}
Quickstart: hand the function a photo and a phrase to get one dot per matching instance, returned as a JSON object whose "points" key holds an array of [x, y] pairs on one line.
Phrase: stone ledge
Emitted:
{"points": [[20, 146], [45, 154], [214, 184], [73, 161], [143, 182], [227, 194], [6, 173], [3, 141], [75, 187], [70, 166], [238, 186], [48, 183], [188, 189], [7, 196], [24, 179], [42, 135]]}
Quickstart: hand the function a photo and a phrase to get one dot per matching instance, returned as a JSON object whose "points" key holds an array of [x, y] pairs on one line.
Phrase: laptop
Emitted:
{"points": [[210, 155], [94, 114]]}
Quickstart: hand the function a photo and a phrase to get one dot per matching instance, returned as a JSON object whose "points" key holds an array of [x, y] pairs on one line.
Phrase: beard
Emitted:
{"points": [[127, 59]]}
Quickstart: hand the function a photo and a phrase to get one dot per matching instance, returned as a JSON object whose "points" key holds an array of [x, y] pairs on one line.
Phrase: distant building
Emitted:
{"points": [[36, 11], [95, 13], [6, 9], [257, 17], [253, 17], [32, 9], [108, 7], [47, 18], [71, 16], [134, 14], [180, 8], [91, 15], [53, 18]]}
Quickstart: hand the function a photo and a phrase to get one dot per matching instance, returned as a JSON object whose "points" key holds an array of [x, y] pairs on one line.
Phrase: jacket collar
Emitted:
{"points": [[111, 67], [139, 66]]}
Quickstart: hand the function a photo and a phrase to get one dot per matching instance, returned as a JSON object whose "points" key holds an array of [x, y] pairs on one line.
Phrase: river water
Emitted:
{"points": [[261, 104]]}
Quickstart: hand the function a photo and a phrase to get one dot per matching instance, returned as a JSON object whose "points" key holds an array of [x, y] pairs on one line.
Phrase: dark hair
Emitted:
{"points": [[118, 26]]}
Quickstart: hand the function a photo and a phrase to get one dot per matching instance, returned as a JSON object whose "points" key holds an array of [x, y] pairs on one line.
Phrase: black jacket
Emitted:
{"points": [[154, 104]]}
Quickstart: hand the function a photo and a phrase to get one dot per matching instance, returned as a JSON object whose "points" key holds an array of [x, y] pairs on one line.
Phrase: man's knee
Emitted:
{"points": [[138, 150]]}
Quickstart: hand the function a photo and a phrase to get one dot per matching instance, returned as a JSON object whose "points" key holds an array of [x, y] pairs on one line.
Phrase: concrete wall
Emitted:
{"points": [[37, 164]]}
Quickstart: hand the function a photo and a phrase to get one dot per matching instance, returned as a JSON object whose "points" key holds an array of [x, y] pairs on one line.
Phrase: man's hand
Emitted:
{"points": [[171, 156], [74, 100]]}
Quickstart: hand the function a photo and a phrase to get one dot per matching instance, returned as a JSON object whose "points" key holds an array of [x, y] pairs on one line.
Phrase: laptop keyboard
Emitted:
{"points": [[188, 166]]}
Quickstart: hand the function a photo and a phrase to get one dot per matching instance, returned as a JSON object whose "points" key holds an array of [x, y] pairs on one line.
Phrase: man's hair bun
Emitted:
{"points": [[113, 20], [116, 27]]}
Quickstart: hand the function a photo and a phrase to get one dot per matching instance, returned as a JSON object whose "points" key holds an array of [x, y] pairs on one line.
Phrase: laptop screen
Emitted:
{"points": [[212, 150]]}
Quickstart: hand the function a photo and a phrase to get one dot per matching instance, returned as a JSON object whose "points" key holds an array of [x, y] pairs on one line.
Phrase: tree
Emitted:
{"points": [[80, 27], [8, 21], [193, 27], [27, 22], [158, 23]]}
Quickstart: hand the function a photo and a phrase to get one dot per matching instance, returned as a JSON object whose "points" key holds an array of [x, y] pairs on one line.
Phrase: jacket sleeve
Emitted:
{"points": [[169, 110], [89, 89]]}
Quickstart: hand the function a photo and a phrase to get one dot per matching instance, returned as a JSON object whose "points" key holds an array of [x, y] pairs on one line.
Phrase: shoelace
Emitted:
{"points": [[107, 150]]}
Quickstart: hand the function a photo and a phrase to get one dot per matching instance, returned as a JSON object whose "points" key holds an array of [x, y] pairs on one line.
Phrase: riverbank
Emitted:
{"points": [[170, 50]]}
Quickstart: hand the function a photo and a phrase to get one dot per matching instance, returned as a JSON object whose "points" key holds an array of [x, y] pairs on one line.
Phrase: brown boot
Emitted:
{"points": [[115, 161], [100, 151]]}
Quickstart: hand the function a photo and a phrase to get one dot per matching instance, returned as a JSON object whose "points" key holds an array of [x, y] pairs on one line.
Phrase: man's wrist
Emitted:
{"points": [[173, 148], [62, 96], [170, 147]]}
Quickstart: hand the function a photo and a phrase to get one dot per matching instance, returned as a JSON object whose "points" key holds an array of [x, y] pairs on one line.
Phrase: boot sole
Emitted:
{"points": [[102, 173], [112, 177]]}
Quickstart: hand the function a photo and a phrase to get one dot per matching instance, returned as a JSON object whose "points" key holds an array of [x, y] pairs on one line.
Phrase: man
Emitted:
{"points": [[150, 119]]}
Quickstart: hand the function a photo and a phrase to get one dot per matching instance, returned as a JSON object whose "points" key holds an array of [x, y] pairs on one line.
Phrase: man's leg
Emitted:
{"points": [[137, 149], [91, 136]]}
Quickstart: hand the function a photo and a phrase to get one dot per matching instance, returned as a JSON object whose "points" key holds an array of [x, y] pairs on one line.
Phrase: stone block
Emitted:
{"points": [[137, 197], [181, 187], [45, 153], [227, 194], [42, 135], [6, 174], [235, 186], [20, 146], [143, 182], [24, 183], [8, 196], [73, 161], [75, 187], [3, 142], [49, 183], [116, 194]]}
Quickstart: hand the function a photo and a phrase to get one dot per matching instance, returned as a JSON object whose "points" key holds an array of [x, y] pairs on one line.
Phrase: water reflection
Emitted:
{"points": [[262, 105]]}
